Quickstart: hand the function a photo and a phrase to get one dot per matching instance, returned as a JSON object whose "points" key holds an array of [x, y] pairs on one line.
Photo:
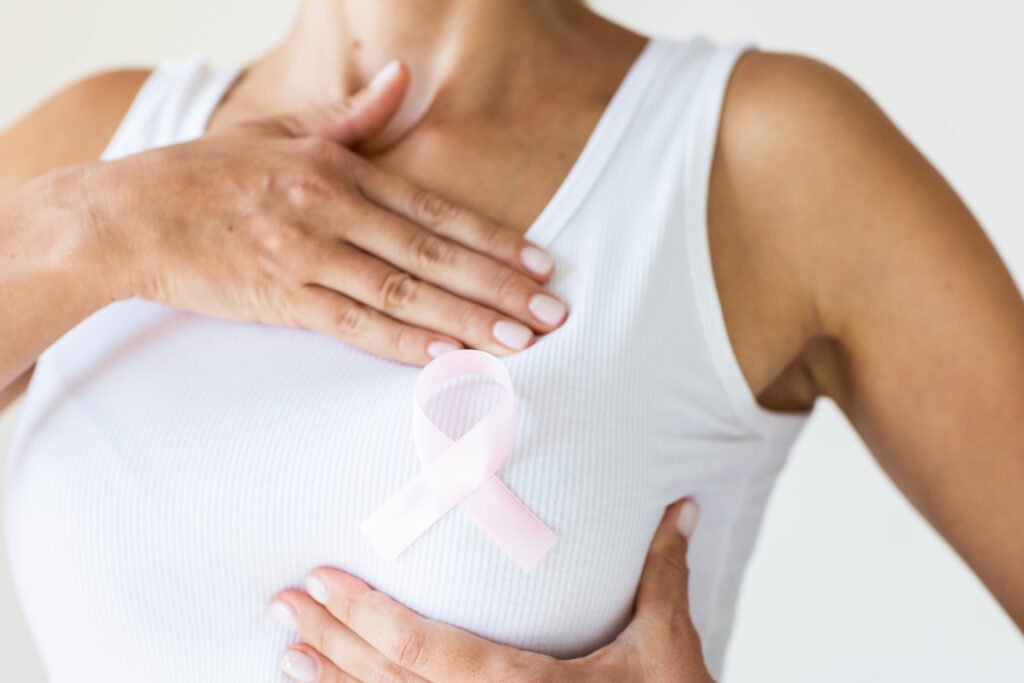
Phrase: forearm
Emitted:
{"points": [[50, 268]]}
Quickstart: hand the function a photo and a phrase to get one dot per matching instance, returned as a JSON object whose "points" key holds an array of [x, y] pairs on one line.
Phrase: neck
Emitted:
{"points": [[485, 46]]}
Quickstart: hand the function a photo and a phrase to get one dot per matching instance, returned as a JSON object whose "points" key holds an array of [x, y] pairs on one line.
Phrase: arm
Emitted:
{"points": [[70, 128], [906, 315], [297, 231]]}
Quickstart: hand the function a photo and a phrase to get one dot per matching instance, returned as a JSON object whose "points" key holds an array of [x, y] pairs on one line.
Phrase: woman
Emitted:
{"points": [[194, 442]]}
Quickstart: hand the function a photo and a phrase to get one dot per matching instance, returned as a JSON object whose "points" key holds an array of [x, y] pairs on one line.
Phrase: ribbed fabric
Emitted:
{"points": [[171, 471]]}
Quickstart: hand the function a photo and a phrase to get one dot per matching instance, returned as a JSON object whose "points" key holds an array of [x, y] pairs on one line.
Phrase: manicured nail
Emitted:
{"points": [[384, 75], [440, 347], [316, 588], [284, 614], [299, 666], [687, 520], [548, 309], [536, 260], [512, 335]]}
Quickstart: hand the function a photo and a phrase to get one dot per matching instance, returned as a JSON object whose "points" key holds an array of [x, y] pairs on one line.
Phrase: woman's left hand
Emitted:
{"points": [[355, 633]]}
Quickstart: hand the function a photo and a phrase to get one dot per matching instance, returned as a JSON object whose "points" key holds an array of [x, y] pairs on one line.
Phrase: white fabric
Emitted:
{"points": [[170, 471]]}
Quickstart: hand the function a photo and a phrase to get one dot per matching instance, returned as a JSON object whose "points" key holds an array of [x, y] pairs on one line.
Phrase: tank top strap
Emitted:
{"points": [[664, 159], [173, 105]]}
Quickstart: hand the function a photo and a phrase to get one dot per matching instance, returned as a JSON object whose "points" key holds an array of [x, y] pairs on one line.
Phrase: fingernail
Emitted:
{"points": [[384, 75], [299, 666], [440, 347], [536, 260], [547, 309], [284, 614], [687, 520], [316, 588], [512, 335]]}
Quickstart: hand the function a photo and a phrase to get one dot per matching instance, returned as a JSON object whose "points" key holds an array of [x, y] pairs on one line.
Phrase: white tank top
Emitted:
{"points": [[171, 472]]}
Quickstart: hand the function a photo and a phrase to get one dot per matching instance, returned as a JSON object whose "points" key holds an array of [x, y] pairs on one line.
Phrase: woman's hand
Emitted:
{"points": [[277, 221], [354, 633]]}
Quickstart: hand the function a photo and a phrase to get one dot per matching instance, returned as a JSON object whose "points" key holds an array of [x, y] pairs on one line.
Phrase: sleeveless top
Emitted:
{"points": [[170, 472]]}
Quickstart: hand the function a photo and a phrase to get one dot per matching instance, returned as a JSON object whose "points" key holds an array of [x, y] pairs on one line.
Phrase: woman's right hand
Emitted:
{"points": [[277, 221]]}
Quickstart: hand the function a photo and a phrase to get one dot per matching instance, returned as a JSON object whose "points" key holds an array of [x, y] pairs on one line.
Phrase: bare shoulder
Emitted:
{"points": [[913, 324], [72, 126], [791, 124], [813, 189]]}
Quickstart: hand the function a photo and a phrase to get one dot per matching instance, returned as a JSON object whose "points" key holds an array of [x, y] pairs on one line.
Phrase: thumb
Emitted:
{"points": [[661, 642], [357, 117], [663, 592]]}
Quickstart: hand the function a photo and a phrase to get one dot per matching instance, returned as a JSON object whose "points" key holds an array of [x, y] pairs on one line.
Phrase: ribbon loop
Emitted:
{"points": [[462, 472]]}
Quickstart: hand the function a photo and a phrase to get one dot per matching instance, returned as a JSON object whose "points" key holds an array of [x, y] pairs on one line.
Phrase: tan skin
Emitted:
{"points": [[846, 266]]}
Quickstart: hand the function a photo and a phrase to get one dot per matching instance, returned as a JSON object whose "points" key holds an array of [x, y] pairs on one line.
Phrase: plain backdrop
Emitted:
{"points": [[847, 582]]}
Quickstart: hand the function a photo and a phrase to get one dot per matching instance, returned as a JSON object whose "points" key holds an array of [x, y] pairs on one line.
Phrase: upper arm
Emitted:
{"points": [[73, 126], [916, 324]]}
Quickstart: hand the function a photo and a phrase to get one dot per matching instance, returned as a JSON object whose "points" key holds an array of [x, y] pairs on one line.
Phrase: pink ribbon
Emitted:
{"points": [[462, 473]]}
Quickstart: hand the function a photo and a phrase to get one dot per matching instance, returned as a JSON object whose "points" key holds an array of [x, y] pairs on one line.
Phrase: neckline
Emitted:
{"points": [[221, 82], [592, 159], [596, 152]]}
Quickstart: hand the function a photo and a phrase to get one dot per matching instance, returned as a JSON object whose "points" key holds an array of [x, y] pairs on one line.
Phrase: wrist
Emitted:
{"points": [[95, 252], [49, 280]]}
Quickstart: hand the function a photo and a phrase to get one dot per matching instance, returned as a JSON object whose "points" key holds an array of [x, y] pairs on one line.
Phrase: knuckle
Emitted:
{"points": [[264, 291], [291, 124], [309, 186], [292, 313], [339, 109], [430, 208], [388, 672], [403, 341], [675, 559], [319, 149], [328, 641], [397, 290], [496, 238], [276, 236], [430, 250], [408, 649], [343, 607], [351, 320], [507, 284], [466, 321]]}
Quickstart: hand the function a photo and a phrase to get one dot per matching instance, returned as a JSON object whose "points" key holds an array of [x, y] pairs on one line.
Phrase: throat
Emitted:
{"points": [[507, 177], [497, 135], [510, 163]]}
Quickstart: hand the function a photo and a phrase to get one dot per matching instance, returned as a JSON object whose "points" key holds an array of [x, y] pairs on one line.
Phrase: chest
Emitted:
{"points": [[192, 466], [505, 173]]}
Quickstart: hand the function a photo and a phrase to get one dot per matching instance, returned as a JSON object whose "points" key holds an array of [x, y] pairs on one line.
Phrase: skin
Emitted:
{"points": [[355, 633], [297, 230], [70, 128], [846, 266]]}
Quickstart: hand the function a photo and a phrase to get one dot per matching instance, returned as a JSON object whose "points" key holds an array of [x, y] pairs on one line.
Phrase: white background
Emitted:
{"points": [[847, 583]]}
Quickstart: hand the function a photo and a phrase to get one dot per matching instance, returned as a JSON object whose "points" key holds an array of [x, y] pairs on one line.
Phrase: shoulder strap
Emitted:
{"points": [[173, 105]]}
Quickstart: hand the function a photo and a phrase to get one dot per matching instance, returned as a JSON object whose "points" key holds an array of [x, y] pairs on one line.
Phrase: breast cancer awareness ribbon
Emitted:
{"points": [[462, 473]]}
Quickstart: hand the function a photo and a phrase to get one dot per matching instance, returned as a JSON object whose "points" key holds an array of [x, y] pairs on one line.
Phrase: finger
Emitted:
{"points": [[401, 296], [664, 584], [303, 663], [458, 269], [329, 312], [355, 118], [661, 637], [430, 210], [431, 649], [330, 644]]}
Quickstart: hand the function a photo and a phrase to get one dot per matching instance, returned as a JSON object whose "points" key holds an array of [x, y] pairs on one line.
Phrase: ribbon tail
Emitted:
{"points": [[509, 523]]}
